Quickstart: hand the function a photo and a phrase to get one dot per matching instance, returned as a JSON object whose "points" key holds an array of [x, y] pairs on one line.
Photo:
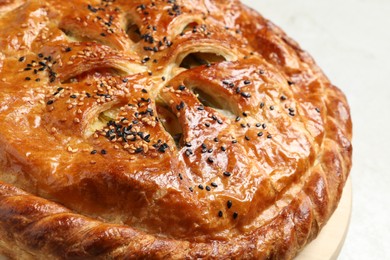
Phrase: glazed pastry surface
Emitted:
{"points": [[163, 129]]}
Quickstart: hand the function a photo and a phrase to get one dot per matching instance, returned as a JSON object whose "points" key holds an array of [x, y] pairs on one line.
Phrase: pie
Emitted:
{"points": [[175, 129]]}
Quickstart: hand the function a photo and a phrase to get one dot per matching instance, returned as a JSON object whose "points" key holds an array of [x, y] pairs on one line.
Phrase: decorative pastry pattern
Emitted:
{"points": [[162, 129]]}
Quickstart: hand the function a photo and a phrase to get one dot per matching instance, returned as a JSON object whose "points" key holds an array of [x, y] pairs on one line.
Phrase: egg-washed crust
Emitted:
{"points": [[162, 129]]}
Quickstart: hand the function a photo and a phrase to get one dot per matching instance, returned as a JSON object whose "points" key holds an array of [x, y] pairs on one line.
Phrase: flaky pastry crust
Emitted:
{"points": [[162, 129]]}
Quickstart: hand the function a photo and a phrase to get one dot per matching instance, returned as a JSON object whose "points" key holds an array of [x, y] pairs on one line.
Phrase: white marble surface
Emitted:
{"points": [[350, 39]]}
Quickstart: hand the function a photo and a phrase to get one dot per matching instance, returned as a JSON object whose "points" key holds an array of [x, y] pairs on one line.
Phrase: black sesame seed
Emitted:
{"points": [[229, 204], [103, 151], [290, 82], [68, 49], [247, 82], [238, 119], [261, 72], [21, 59], [210, 160], [271, 107], [269, 136], [262, 105], [207, 124], [214, 185], [163, 148], [260, 134], [49, 102], [216, 139], [247, 138], [181, 87], [27, 78], [223, 148], [208, 188], [189, 152], [246, 94], [191, 189], [283, 98], [94, 152], [220, 214], [180, 176], [227, 174], [318, 110], [235, 215], [146, 59], [200, 186]]}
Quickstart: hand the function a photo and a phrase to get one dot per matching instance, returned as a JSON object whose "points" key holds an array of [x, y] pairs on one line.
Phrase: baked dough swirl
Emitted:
{"points": [[162, 129]]}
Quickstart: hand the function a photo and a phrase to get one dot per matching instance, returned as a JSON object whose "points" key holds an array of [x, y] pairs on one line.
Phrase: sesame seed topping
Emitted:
{"points": [[227, 174], [246, 94], [229, 204], [220, 214]]}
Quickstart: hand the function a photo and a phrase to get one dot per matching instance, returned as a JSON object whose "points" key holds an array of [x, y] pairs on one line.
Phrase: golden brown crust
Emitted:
{"points": [[163, 129]]}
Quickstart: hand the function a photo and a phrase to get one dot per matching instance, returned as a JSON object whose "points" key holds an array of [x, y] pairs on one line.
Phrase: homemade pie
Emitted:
{"points": [[162, 129]]}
